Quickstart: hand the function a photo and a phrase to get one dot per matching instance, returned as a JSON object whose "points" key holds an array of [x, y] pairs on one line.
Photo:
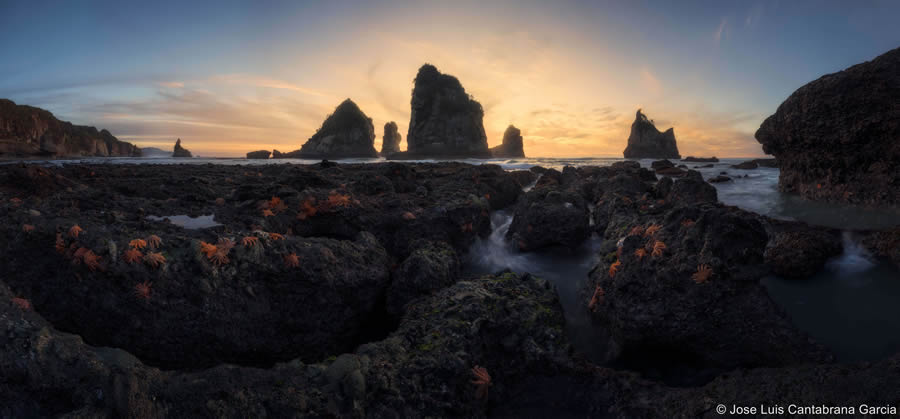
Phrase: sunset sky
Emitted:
{"points": [[232, 77]]}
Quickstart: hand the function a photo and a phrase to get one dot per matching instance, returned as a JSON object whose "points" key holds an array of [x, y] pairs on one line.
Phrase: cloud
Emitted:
{"points": [[650, 82], [257, 81], [717, 36], [172, 84], [754, 15]]}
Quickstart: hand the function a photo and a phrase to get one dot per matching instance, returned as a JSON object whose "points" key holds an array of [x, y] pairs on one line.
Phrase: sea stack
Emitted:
{"points": [[346, 133], [28, 131], [838, 138], [445, 122], [259, 155], [512, 145], [181, 151], [390, 142], [646, 142]]}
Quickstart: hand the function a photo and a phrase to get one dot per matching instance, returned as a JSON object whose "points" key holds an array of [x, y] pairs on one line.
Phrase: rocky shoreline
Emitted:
{"points": [[335, 290]]}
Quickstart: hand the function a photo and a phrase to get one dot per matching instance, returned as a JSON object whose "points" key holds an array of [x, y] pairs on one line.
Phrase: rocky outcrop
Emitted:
{"points": [[693, 159], [646, 142], [445, 121], [180, 151], [801, 252], [512, 146], [346, 133], [836, 138], [259, 154], [390, 142], [29, 131]]}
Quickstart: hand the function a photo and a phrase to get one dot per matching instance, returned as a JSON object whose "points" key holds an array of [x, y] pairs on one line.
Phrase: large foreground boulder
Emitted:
{"points": [[346, 133], [646, 142], [444, 121], [512, 144], [29, 131], [838, 137]]}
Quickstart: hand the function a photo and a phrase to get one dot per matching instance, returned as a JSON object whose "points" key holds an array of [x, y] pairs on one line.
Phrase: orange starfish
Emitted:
{"points": [[138, 243], [154, 241], [653, 229], [21, 303], [91, 260], [658, 248], [338, 200], [614, 268], [276, 204], [220, 257], [142, 290], [155, 259], [249, 241], [220, 201], [467, 227], [636, 231], [15, 202], [208, 249], [597, 298], [703, 273], [75, 231], [409, 216], [60, 243], [28, 228], [307, 208], [482, 381], [276, 236], [292, 260], [267, 213], [687, 223], [133, 255], [640, 253]]}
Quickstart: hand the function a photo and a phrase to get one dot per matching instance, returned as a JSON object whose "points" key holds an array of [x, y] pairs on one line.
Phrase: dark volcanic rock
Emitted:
{"points": [[445, 121], [747, 165], [836, 138], [30, 131], [661, 164], [260, 154], [773, 163], [430, 268], [646, 142], [800, 254], [720, 179], [512, 144], [547, 217], [693, 159], [346, 133], [390, 142], [180, 151]]}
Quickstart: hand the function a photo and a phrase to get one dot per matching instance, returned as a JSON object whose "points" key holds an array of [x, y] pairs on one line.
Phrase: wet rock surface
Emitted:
{"points": [[836, 137], [335, 290]]}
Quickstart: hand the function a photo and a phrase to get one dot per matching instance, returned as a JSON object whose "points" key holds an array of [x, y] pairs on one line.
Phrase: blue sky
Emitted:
{"points": [[229, 77]]}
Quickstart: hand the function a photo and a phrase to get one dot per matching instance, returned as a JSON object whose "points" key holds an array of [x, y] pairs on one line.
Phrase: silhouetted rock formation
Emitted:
{"points": [[445, 121], [512, 144], [390, 142], [30, 131], [693, 159], [838, 137], [646, 142], [180, 151], [346, 133], [259, 154], [155, 152]]}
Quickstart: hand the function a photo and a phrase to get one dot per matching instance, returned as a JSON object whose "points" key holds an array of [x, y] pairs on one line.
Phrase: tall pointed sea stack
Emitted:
{"points": [[512, 144], [346, 133], [646, 142], [390, 142], [180, 151], [445, 121]]}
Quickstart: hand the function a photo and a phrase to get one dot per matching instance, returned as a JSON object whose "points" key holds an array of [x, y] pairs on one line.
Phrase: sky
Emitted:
{"points": [[230, 77]]}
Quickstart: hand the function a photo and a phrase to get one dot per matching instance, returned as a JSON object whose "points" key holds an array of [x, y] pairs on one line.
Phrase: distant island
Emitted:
{"points": [[27, 131], [646, 142]]}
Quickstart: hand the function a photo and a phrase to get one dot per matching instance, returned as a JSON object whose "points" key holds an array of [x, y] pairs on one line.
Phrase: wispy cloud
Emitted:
{"points": [[754, 15], [257, 81], [650, 82], [720, 31], [172, 84]]}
